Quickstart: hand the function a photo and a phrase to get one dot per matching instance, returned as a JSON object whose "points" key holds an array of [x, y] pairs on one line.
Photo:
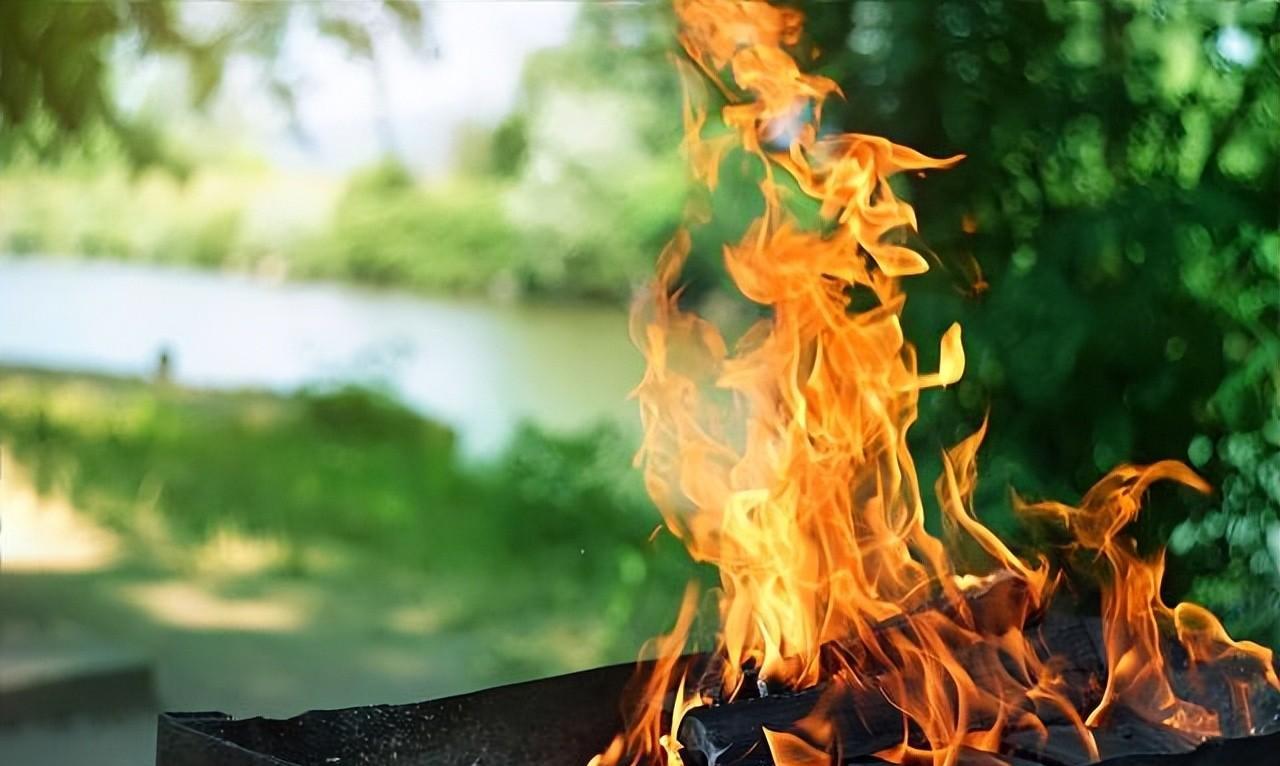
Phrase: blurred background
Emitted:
{"points": [[313, 344]]}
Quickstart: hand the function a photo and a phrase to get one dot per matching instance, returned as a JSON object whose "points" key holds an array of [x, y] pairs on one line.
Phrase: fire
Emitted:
{"points": [[781, 458]]}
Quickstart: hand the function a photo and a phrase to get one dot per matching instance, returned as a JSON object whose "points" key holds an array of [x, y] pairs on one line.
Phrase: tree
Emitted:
{"points": [[599, 182], [56, 59], [1120, 198]]}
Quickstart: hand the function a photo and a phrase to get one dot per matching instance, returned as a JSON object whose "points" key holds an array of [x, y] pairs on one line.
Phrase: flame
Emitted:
{"points": [[781, 457], [1134, 615], [643, 740]]}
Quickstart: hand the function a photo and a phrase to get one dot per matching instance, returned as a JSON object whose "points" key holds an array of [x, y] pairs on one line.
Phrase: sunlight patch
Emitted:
{"points": [[229, 551], [187, 605], [45, 534]]}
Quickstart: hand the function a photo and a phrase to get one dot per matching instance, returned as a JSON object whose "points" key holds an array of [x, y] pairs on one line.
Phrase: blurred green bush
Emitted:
{"points": [[345, 465], [574, 499], [386, 231], [1235, 547]]}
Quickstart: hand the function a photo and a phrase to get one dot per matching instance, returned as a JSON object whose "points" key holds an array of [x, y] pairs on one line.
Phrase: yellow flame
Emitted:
{"points": [[782, 459]]}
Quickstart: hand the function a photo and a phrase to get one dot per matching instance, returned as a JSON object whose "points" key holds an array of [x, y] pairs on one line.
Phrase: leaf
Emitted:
{"points": [[409, 14], [353, 35], [1200, 450]]}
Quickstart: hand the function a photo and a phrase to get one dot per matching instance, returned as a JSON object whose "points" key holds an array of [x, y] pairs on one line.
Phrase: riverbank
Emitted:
{"points": [[477, 366], [378, 228]]}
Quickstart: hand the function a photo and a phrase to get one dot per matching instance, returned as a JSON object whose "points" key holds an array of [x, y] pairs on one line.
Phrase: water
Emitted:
{"points": [[480, 367]]}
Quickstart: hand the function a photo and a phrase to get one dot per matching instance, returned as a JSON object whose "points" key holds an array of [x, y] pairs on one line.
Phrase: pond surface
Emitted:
{"points": [[478, 366]]}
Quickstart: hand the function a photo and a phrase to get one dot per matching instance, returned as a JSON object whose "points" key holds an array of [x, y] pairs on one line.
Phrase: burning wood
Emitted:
{"points": [[865, 722], [852, 702], [783, 461]]}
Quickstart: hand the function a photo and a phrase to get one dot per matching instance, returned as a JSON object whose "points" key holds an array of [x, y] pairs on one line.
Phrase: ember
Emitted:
{"points": [[845, 628]]}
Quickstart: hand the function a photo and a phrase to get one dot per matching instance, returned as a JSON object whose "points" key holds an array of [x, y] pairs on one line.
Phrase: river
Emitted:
{"points": [[478, 366]]}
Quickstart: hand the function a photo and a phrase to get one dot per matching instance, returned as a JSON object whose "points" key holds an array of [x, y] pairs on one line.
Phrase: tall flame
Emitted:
{"points": [[782, 458]]}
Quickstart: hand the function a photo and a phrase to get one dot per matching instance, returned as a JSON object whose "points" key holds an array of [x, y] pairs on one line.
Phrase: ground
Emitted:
{"points": [[226, 630]]}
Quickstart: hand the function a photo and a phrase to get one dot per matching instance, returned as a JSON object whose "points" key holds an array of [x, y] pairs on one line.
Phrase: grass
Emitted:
{"points": [[556, 526], [340, 465]]}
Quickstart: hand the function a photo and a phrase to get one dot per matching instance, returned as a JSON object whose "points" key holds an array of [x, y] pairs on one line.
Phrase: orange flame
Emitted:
{"points": [[1134, 615], [643, 740], [782, 458]]}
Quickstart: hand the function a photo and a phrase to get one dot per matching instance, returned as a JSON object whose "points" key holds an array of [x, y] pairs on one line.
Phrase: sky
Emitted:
{"points": [[481, 46]]}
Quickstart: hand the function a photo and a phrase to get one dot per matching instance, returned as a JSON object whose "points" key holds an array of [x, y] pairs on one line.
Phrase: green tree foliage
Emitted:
{"points": [[56, 59], [1110, 243], [387, 230], [600, 184], [1234, 548], [497, 152], [575, 498]]}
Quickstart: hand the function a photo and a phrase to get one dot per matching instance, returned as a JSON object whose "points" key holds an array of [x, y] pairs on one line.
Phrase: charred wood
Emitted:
{"points": [[863, 719]]}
